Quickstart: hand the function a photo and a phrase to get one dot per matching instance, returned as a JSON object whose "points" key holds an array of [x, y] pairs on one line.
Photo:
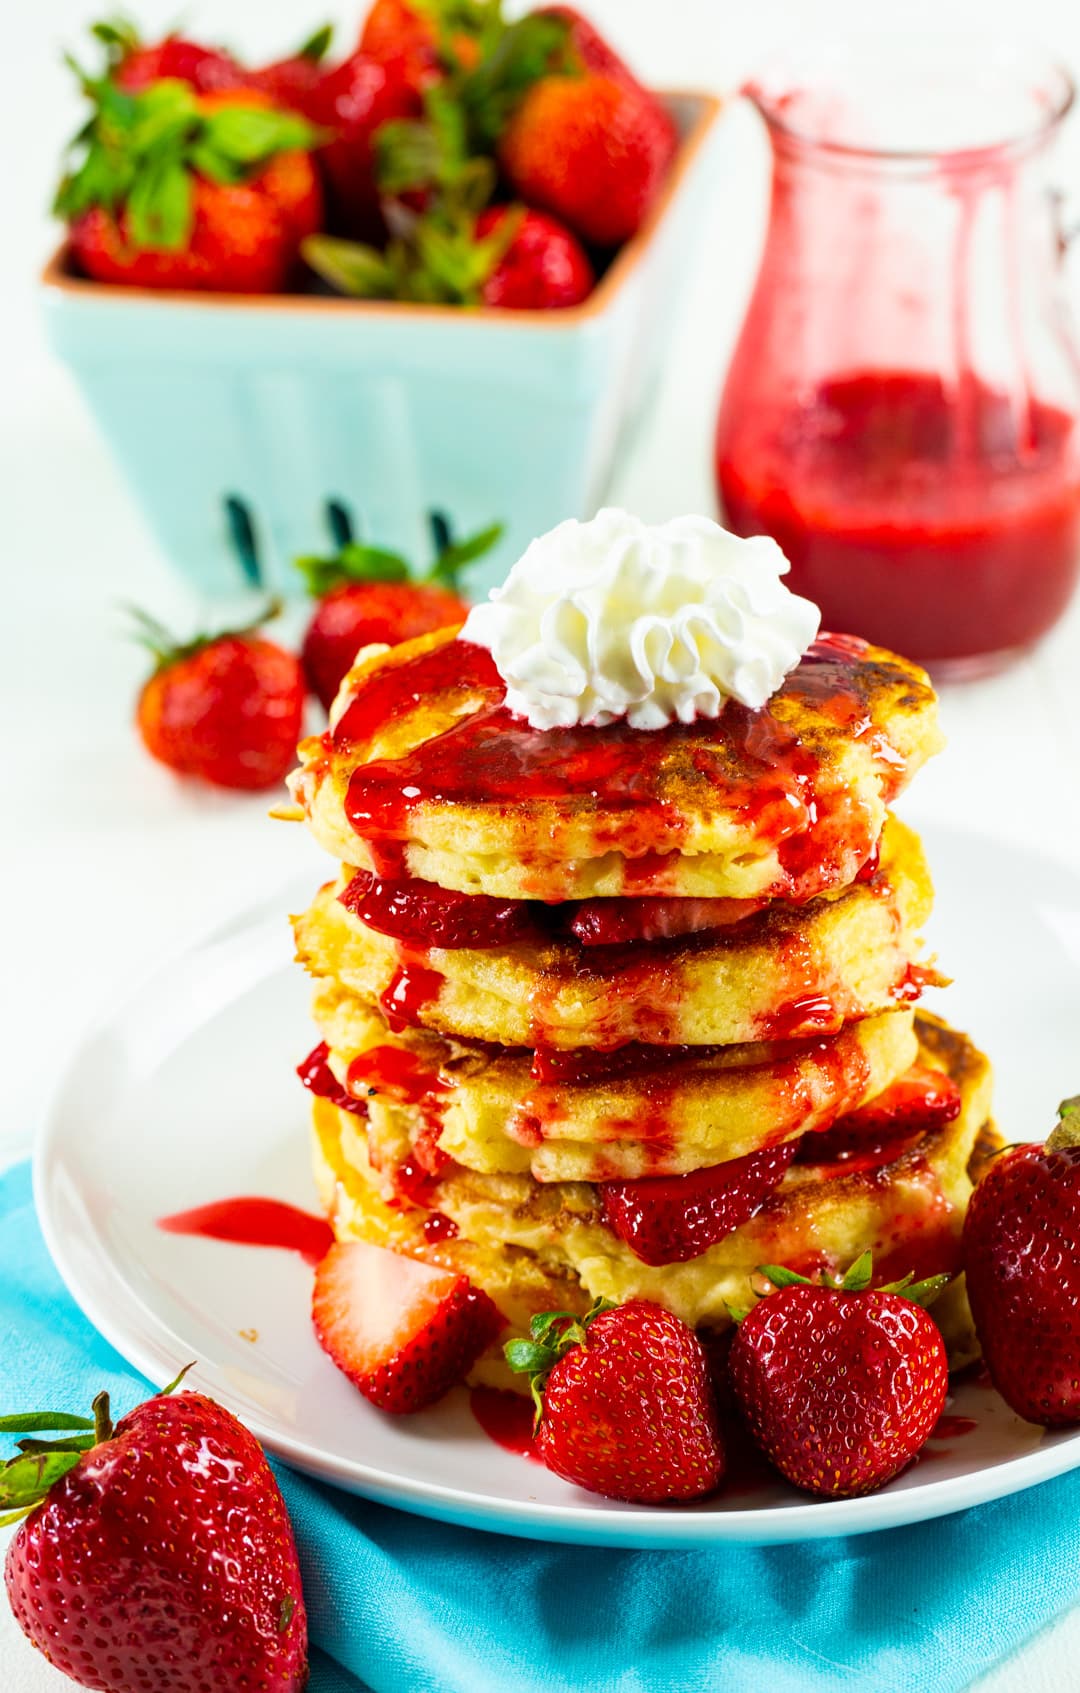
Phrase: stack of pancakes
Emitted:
{"points": [[557, 965]]}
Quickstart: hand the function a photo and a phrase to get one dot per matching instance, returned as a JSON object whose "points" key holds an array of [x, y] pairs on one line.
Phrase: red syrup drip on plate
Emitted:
{"points": [[951, 1428], [252, 1221], [748, 760], [507, 1419], [317, 1076]]}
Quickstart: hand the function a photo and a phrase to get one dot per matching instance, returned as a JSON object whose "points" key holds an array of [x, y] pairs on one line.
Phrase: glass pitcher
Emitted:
{"points": [[901, 408]]}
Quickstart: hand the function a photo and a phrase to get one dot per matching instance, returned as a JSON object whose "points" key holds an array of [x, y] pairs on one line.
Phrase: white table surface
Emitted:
{"points": [[108, 862]]}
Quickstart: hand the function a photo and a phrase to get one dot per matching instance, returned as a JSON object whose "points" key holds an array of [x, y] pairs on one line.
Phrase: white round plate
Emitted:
{"points": [[188, 1094]]}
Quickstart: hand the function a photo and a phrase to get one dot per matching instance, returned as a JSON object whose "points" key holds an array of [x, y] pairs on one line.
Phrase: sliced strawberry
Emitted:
{"points": [[403, 1332], [668, 1219], [881, 1131], [614, 922], [921, 1098], [423, 912]]}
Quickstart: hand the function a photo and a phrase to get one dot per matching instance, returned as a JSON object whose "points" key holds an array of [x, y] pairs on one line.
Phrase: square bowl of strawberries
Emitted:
{"points": [[431, 275]]}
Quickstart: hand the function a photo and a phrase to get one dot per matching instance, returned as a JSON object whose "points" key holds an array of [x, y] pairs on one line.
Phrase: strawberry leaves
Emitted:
{"points": [[857, 1278], [359, 562], [552, 1335], [166, 651], [142, 151], [439, 260], [533, 47]]}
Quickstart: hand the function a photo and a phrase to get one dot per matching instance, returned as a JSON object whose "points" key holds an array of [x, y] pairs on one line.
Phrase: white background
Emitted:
{"points": [[108, 863]]}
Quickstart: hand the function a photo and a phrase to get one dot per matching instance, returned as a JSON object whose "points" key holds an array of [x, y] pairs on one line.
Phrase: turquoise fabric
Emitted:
{"points": [[402, 1605]]}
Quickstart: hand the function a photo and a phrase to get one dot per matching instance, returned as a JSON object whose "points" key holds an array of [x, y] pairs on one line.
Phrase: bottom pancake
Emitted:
{"points": [[536, 1247]]}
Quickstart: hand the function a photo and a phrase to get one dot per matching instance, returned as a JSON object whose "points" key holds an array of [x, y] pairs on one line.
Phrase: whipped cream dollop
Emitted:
{"points": [[655, 623]]}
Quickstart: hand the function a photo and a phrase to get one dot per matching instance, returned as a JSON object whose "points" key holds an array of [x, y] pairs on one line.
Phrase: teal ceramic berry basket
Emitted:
{"points": [[254, 429]]}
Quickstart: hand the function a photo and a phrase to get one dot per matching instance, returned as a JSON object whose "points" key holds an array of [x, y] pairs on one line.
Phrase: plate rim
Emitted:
{"points": [[588, 1523]]}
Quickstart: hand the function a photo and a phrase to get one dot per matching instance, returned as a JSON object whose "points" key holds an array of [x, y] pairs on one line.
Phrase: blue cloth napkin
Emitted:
{"points": [[399, 1604]]}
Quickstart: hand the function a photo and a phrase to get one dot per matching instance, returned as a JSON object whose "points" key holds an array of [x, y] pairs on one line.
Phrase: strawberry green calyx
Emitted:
{"points": [[552, 1335], [354, 563], [26, 1478], [141, 153], [317, 45], [358, 562], [1067, 1132], [166, 650], [440, 261], [856, 1279]]}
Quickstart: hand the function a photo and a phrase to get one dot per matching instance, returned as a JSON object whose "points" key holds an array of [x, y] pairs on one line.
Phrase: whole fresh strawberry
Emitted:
{"points": [[1023, 1277], [226, 708], [156, 1554], [174, 189], [404, 1332], [351, 102], [592, 149], [625, 1402], [668, 1219], [367, 594], [135, 64], [840, 1384]]}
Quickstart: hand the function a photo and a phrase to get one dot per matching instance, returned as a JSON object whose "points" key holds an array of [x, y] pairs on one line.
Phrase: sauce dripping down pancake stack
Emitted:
{"points": [[606, 1011]]}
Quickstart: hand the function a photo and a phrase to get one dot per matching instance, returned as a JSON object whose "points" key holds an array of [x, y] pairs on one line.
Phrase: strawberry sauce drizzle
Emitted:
{"points": [[317, 1076], [394, 1071], [749, 761], [411, 989], [250, 1221]]}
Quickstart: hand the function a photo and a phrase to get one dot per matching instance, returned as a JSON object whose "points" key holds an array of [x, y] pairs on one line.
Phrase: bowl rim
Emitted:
{"points": [[58, 279]]}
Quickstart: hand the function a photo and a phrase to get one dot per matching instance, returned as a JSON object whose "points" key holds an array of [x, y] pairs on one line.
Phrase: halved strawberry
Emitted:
{"points": [[402, 1331], [668, 1219]]}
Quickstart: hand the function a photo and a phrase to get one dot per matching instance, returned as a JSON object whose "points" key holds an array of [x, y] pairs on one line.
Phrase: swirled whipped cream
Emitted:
{"points": [[655, 623]]}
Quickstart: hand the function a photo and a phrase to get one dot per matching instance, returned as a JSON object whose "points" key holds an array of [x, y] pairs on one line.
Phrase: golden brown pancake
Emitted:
{"points": [[654, 1118], [525, 1243], [785, 802], [787, 973]]}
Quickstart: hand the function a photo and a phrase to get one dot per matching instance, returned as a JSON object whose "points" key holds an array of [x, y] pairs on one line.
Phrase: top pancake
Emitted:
{"points": [[426, 773]]}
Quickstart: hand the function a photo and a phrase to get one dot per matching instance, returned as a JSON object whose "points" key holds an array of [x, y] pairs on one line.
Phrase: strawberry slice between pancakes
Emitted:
{"points": [[668, 1219]]}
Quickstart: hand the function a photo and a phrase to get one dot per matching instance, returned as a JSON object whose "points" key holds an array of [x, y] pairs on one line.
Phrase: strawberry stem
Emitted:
{"points": [[1067, 1132], [103, 1424]]}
